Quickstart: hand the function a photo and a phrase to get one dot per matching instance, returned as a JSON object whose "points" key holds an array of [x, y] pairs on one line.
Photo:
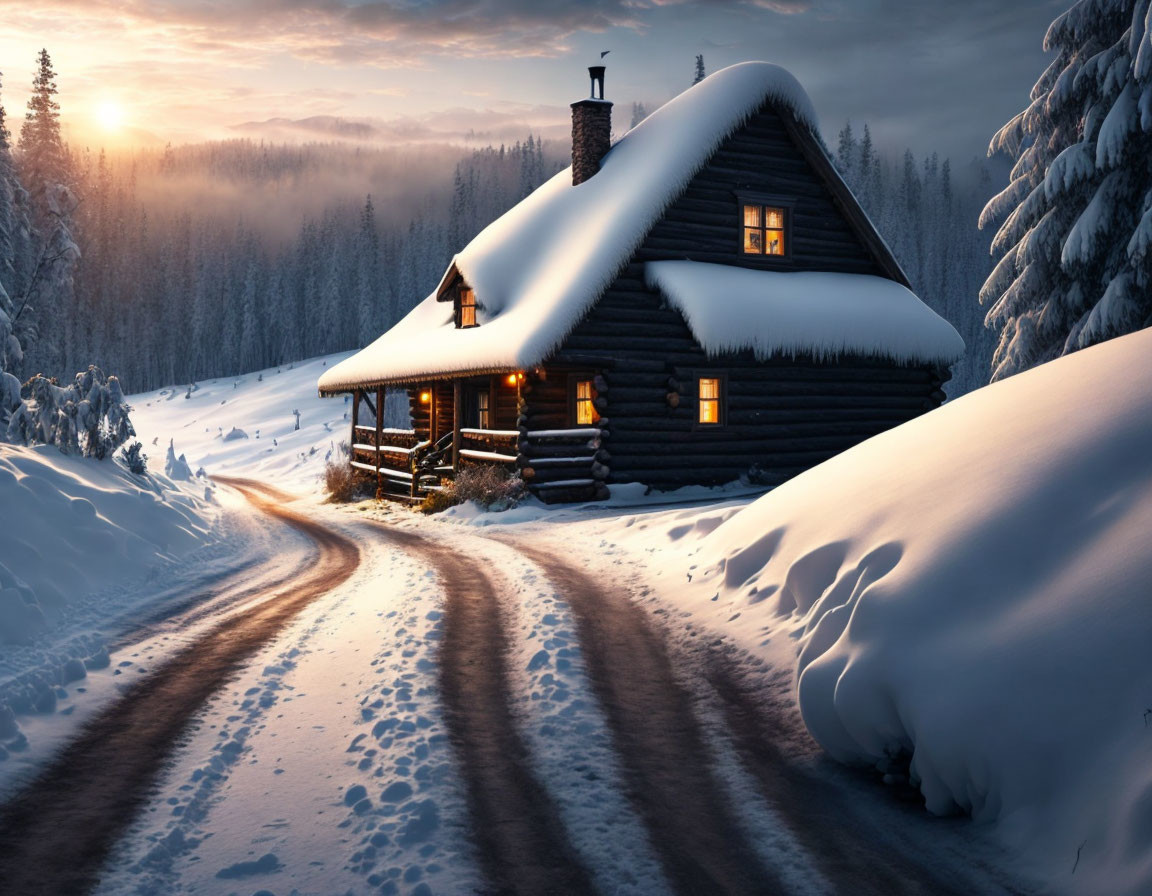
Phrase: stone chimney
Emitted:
{"points": [[591, 129]]}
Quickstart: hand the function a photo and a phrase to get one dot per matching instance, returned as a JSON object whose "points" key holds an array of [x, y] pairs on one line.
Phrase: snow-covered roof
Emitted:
{"points": [[537, 269], [804, 313]]}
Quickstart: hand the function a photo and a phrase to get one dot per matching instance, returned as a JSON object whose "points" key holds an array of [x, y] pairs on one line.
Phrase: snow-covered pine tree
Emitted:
{"points": [[45, 170], [371, 311], [639, 113], [699, 69], [846, 150], [1074, 238], [13, 249]]}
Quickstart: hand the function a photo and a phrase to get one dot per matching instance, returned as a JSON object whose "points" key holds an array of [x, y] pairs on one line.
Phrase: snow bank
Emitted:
{"points": [[74, 526], [823, 314], [537, 269], [972, 589]]}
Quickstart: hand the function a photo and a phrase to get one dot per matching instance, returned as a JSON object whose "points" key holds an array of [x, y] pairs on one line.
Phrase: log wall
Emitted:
{"points": [[779, 417]]}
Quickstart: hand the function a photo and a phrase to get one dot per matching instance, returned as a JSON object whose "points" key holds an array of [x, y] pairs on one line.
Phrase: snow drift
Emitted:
{"points": [[74, 525], [972, 590]]}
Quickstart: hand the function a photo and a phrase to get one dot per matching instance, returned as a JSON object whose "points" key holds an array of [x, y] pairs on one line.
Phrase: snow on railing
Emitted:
{"points": [[587, 432], [505, 433], [487, 455]]}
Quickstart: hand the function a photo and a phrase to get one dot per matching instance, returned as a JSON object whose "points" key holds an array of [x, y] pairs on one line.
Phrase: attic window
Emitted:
{"points": [[764, 229], [466, 309]]}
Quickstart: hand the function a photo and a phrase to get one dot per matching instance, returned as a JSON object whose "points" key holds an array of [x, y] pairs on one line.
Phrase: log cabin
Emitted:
{"points": [[701, 301]]}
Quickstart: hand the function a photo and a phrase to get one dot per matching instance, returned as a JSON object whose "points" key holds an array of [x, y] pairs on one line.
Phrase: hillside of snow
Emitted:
{"points": [[74, 525], [970, 592], [268, 424]]}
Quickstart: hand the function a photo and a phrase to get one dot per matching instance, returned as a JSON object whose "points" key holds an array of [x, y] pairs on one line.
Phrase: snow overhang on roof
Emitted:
{"points": [[822, 314], [538, 268]]}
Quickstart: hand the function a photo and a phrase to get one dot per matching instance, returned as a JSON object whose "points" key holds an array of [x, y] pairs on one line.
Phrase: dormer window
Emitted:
{"points": [[466, 308], [765, 229]]}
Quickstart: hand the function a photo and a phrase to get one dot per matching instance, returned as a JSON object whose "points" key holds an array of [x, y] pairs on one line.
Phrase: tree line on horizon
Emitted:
{"points": [[116, 260]]}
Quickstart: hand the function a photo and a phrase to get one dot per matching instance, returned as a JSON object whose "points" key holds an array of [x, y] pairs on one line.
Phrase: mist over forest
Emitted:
{"points": [[174, 264]]}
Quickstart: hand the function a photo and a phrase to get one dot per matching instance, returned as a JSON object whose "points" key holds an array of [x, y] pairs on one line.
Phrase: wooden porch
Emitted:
{"points": [[478, 420]]}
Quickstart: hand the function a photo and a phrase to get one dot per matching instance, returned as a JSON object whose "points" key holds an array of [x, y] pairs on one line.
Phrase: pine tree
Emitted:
{"points": [[46, 172], [1074, 237], [43, 158], [699, 69], [639, 113], [370, 301], [13, 235], [846, 152]]}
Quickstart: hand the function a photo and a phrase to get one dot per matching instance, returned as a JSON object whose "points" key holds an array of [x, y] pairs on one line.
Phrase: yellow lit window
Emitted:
{"points": [[467, 307], [763, 230], [585, 410], [709, 400]]}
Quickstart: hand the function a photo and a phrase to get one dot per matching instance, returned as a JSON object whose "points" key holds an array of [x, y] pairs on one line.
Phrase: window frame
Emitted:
{"points": [[483, 399], [460, 306], [721, 377], [765, 200]]}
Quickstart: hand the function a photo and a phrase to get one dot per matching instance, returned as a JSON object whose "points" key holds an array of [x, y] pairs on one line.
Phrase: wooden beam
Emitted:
{"points": [[379, 430], [355, 419], [457, 421]]}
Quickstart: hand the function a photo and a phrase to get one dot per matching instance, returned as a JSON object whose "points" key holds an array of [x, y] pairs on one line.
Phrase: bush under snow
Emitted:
{"points": [[972, 590]]}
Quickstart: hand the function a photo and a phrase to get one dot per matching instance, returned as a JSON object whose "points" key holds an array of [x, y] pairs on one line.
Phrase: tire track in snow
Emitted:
{"points": [[520, 841], [662, 748], [565, 730], [56, 833]]}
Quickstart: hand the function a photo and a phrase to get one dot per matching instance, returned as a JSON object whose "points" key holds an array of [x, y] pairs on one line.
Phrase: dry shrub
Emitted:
{"points": [[340, 479], [493, 488]]}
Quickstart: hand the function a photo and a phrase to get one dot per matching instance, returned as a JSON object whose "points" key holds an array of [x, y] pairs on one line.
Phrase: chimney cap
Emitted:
{"points": [[596, 74]]}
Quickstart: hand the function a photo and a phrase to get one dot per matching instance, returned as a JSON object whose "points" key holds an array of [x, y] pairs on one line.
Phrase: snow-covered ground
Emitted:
{"points": [[969, 592], [247, 425], [963, 599]]}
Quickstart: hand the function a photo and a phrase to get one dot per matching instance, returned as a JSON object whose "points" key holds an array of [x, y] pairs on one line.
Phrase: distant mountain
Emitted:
{"points": [[327, 127]]}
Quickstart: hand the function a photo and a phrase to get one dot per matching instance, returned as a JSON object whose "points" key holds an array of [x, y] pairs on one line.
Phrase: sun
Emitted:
{"points": [[110, 115]]}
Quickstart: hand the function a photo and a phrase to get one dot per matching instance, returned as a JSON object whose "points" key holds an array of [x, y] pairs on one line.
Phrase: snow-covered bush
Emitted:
{"points": [[1075, 223], [134, 459], [88, 417], [176, 468]]}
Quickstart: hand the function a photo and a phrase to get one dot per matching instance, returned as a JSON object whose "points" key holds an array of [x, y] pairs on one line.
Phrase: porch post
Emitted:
{"points": [[379, 432], [457, 401], [355, 418]]}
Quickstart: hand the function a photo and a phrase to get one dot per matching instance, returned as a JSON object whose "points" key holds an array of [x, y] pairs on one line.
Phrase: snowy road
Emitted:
{"points": [[56, 833], [446, 711]]}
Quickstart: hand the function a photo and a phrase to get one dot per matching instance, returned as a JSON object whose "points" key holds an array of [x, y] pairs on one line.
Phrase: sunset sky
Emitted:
{"points": [[934, 74]]}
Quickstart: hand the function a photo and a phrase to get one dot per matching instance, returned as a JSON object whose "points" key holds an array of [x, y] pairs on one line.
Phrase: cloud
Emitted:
{"points": [[384, 33]]}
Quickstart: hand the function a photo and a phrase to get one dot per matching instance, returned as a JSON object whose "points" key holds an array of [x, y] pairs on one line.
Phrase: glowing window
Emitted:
{"points": [[467, 314], [585, 410], [709, 400], [763, 230]]}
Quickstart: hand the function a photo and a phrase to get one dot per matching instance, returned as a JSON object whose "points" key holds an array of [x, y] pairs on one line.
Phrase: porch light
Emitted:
{"points": [[514, 378], [425, 397]]}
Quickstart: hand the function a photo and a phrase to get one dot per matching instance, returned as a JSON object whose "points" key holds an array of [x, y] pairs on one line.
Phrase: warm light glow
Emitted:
{"points": [[511, 379], [586, 413], [709, 400], [425, 397], [110, 115]]}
